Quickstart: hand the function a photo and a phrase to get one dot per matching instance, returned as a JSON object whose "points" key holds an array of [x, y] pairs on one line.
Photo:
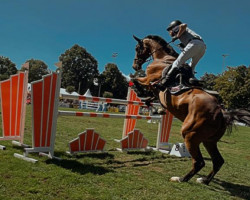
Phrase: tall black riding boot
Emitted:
{"points": [[166, 81]]}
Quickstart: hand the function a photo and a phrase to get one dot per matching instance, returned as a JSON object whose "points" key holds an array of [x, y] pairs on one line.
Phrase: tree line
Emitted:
{"points": [[233, 86], [80, 72]]}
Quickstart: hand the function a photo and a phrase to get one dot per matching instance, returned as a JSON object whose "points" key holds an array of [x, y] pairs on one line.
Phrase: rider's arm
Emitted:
{"points": [[182, 29]]}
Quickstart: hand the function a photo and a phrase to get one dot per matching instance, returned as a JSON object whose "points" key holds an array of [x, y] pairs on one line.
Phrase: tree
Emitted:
{"points": [[7, 68], [209, 81], [233, 86], [79, 68], [114, 81], [70, 89], [37, 69]]}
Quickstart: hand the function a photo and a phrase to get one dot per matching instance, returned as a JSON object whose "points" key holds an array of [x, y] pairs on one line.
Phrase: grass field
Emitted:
{"points": [[116, 175]]}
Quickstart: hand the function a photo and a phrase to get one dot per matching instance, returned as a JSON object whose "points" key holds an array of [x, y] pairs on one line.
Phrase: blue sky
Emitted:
{"points": [[44, 29]]}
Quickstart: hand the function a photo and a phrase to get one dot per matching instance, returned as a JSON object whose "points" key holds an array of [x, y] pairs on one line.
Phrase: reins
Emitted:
{"points": [[152, 53]]}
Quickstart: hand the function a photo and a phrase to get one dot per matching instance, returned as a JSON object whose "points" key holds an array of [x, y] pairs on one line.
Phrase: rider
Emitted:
{"points": [[194, 48]]}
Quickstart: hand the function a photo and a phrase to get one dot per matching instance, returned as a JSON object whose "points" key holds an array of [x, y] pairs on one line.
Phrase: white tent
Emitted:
{"points": [[63, 91], [88, 104], [75, 93], [88, 93]]}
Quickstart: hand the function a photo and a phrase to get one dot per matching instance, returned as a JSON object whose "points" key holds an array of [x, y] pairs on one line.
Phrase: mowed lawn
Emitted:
{"points": [[115, 175]]}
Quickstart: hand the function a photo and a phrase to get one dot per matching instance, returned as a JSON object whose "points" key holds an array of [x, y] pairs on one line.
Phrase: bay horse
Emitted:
{"points": [[204, 120]]}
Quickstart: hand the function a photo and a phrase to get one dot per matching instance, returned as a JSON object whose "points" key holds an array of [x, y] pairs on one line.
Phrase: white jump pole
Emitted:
{"points": [[105, 115], [105, 100], [165, 121]]}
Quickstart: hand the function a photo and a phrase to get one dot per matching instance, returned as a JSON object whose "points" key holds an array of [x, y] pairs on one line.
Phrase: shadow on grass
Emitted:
{"points": [[141, 152], [145, 161], [99, 155], [95, 155], [20, 147], [227, 142], [236, 190], [79, 168]]}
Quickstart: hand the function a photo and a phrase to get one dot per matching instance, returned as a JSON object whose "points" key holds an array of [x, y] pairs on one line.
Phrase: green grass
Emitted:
{"points": [[115, 175]]}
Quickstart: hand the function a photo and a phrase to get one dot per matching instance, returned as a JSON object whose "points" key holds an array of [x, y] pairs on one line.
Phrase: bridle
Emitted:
{"points": [[150, 57]]}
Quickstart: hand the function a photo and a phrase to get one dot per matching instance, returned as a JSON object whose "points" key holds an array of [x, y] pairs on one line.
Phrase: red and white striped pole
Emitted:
{"points": [[165, 120], [104, 100], [105, 115]]}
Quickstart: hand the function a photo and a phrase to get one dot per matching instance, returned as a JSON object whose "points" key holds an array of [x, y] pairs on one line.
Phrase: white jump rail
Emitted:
{"points": [[45, 99], [105, 115], [165, 121], [105, 100]]}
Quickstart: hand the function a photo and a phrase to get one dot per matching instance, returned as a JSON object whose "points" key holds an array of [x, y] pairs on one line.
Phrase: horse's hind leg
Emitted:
{"points": [[192, 144], [217, 160]]}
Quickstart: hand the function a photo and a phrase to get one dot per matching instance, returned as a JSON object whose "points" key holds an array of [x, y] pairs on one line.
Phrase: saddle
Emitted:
{"points": [[181, 79], [181, 75]]}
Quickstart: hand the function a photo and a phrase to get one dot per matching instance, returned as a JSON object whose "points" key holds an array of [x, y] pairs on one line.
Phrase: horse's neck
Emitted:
{"points": [[159, 54], [169, 59], [165, 58]]}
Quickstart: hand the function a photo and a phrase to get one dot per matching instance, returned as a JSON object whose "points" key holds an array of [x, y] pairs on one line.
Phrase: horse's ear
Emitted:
{"points": [[137, 39]]}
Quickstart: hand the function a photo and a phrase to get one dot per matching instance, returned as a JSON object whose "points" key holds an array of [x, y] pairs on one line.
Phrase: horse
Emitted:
{"points": [[204, 119]]}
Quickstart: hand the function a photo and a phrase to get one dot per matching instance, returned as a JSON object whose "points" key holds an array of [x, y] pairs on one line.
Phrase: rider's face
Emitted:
{"points": [[171, 33]]}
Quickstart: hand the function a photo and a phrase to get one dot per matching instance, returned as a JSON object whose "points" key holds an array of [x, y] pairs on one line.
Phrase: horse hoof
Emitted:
{"points": [[199, 180], [175, 179], [202, 181], [161, 111]]}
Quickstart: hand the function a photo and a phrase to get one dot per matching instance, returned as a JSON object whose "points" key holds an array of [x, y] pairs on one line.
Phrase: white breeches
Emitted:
{"points": [[195, 49]]}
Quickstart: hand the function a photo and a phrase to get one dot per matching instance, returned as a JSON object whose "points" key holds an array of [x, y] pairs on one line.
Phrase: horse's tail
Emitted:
{"points": [[239, 115]]}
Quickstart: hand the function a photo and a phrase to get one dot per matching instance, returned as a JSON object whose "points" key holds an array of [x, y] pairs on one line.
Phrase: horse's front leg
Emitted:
{"points": [[143, 80], [147, 80]]}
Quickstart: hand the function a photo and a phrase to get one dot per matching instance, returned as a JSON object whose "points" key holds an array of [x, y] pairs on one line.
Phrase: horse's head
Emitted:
{"points": [[154, 46], [142, 52]]}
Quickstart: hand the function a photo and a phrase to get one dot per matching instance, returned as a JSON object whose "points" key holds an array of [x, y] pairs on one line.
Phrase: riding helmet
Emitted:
{"points": [[173, 24]]}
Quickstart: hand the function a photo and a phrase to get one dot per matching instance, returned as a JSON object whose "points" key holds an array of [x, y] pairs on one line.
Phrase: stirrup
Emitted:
{"points": [[159, 86], [194, 81], [162, 84]]}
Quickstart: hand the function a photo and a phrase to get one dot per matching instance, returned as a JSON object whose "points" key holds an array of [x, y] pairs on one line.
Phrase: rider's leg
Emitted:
{"points": [[190, 51], [167, 75], [185, 55], [200, 49], [182, 58]]}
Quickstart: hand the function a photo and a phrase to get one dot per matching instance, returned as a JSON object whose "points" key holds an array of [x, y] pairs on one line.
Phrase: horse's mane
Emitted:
{"points": [[166, 47]]}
